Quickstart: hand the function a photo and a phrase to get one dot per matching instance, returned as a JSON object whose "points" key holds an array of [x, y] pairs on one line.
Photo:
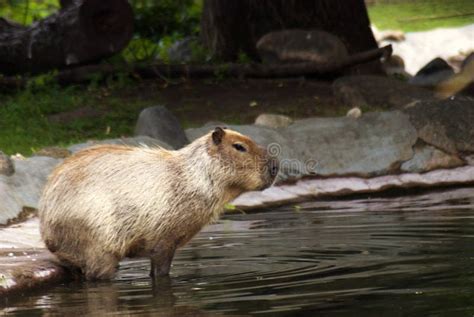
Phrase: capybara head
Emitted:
{"points": [[248, 165]]}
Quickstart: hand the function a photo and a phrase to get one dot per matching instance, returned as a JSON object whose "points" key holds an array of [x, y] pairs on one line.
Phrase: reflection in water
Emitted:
{"points": [[392, 256]]}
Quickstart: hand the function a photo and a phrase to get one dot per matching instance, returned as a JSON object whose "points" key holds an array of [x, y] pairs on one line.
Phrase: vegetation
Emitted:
{"points": [[422, 15], [28, 117]]}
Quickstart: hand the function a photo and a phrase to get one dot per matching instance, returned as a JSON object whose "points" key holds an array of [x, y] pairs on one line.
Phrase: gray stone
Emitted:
{"points": [[159, 123], [429, 158], [301, 45], [433, 73], [354, 113], [394, 65], [374, 144], [135, 141], [6, 165], [24, 187], [445, 124], [271, 120], [377, 91]]}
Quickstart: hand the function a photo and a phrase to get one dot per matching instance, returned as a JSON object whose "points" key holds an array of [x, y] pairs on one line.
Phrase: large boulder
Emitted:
{"points": [[159, 123], [301, 45], [23, 188], [374, 144], [377, 92], [445, 124], [433, 73]]}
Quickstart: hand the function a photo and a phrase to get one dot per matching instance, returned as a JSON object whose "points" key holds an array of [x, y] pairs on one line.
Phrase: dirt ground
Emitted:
{"points": [[196, 102]]}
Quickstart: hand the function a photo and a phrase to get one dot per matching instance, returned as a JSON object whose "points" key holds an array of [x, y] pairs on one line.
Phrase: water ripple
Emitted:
{"points": [[392, 256]]}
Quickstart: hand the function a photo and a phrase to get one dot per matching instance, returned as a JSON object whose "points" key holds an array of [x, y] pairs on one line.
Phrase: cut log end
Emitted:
{"points": [[81, 32]]}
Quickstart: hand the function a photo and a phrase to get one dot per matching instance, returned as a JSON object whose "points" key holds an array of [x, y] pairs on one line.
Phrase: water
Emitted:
{"points": [[406, 256]]}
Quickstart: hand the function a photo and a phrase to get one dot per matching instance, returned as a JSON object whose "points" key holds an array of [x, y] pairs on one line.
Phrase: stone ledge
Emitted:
{"points": [[23, 270], [341, 186]]}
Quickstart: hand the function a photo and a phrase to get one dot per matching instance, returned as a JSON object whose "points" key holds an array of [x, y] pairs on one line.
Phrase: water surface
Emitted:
{"points": [[405, 256]]}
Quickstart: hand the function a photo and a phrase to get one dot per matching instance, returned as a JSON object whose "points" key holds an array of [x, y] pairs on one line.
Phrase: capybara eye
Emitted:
{"points": [[239, 147]]}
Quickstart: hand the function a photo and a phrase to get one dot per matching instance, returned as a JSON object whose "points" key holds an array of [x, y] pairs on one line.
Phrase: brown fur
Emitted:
{"points": [[111, 201]]}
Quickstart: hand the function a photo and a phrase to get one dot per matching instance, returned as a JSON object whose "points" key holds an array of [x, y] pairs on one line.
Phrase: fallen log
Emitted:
{"points": [[85, 74], [84, 31]]}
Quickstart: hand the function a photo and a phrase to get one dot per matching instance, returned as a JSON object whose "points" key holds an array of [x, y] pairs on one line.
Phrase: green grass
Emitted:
{"points": [[26, 128], [422, 15]]}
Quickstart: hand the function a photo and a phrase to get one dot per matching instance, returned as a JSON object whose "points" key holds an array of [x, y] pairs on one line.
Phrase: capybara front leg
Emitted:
{"points": [[161, 259]]}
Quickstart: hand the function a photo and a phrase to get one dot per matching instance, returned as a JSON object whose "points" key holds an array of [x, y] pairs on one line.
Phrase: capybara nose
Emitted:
{"points": [[273, 167]]}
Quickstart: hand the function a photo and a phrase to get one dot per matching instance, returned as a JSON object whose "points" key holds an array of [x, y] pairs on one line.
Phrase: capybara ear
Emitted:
{"points": [[217, 135]]}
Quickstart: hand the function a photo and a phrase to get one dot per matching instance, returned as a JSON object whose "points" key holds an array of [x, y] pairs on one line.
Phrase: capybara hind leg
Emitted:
{"points": [[161, 259], [101, 266]]}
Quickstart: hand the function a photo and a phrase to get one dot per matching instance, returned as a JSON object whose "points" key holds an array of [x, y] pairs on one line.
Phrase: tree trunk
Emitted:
{"points": [[81, 32], [233, 26]]}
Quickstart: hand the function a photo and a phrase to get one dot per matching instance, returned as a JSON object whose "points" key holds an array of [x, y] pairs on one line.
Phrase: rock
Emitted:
{"points": [[445, 124], [376, 91], [354, 113], [375, 144], [433, 73], [428, 158], [24, 187], [21, 271], [273, 120], [159, 123], [301, 45], [394, 65], [54, 151], [306, 189], [183, 51], [6, 165], [469, 159], [135, 141], [22, 235]]}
